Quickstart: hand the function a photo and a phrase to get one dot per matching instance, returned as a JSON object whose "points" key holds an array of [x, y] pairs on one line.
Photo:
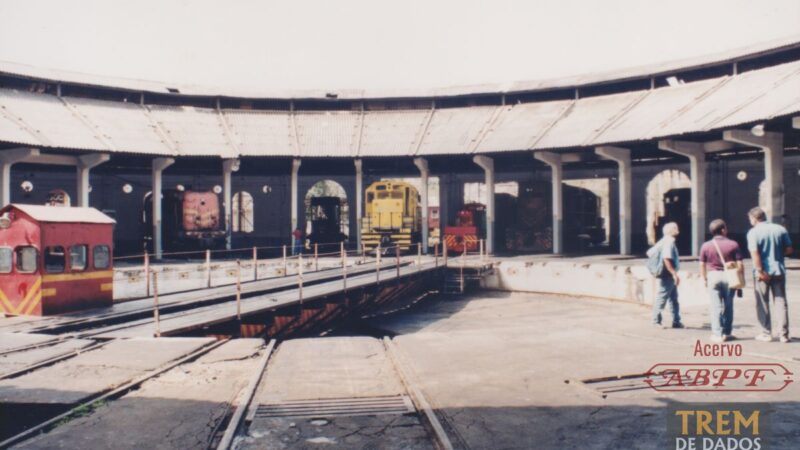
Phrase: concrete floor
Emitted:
{"points": [[494, 366]]}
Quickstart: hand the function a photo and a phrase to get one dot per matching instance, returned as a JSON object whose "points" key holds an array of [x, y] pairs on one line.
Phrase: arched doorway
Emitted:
{"points": [[242, 212], [58, 197], [669, 200], [327, 213]]}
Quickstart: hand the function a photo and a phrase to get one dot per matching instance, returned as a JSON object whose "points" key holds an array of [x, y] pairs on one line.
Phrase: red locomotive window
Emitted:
{"points": [[78, 254], [102, 257], [26, 259], [5, 260], [54, 259]]}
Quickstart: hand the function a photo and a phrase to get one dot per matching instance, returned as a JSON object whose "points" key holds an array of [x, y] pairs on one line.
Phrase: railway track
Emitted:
{"points": [[137, 312], [411, 403]]}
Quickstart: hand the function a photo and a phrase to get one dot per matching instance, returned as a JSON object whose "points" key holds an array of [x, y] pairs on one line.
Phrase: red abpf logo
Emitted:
{"points": [[718, 377]]}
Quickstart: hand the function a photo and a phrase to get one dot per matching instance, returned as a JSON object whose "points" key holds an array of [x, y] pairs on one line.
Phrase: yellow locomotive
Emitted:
{"points": [[392, 215]]}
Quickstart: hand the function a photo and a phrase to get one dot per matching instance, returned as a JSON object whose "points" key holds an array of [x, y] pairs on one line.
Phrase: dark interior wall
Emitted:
{"points": [[728, 197]]}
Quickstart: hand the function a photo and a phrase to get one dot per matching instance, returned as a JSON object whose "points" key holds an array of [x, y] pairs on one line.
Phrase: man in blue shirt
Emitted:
{"points": [[768, 244]]}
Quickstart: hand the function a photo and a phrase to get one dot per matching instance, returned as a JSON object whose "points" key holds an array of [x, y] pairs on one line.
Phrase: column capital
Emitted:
{"points": [[230, 165], [552, 159], [796, 122], [422, 165], [160, 164], [618, 154], [771, 139], [16, 155], [484, 161], [359, 164], [92, 160], [683, 148], [296, 164]]}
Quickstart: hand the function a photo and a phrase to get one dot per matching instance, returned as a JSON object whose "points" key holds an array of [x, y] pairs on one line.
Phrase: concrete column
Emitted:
{"points": [[159, 164], [622, 156], [359, 200], [796, 122], [771, 143], [487, 164], [697, 160], [228, 167], [554, 161], [295, 169], [7, 159], [85, 165], [424, 172]]}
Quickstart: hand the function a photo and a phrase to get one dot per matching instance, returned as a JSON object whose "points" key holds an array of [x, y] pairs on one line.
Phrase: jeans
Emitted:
{"points": [[667, 292], [777, 287], [297, 249], [721, 305]]}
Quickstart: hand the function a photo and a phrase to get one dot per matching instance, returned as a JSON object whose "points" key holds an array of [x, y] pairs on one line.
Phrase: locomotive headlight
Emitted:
{"points": [[5, 221]]}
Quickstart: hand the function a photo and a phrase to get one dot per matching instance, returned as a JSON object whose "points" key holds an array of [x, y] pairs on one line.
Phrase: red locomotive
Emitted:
{"points": [[54, 259], [190, 220], [469, 229]]}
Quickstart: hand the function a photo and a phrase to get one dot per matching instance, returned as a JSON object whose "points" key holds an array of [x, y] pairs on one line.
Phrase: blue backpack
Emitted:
{"points": [[655, 260]]}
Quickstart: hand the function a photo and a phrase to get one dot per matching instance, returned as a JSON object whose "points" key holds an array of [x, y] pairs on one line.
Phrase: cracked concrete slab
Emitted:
{"points": [[180, 409], [11, 362], [70, 381], [494, 366]]}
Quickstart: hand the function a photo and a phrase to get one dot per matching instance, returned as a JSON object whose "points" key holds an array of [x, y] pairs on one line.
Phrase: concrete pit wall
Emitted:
{"points": [[625, 282]]}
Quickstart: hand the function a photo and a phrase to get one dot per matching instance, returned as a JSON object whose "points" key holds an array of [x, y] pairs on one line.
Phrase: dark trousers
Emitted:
{"points": [[776, 287]]}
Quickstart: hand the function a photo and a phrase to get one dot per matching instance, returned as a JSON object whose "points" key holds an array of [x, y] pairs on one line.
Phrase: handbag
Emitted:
{"points": [[734, 278]]}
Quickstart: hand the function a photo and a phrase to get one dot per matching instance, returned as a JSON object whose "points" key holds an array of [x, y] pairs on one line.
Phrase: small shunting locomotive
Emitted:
{"points": [[54, 259]]}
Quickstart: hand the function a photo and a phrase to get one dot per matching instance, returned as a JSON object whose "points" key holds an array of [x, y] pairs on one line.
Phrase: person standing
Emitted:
{"points": [[297, 248], [769, 244], [668, 280], [714, 254]]}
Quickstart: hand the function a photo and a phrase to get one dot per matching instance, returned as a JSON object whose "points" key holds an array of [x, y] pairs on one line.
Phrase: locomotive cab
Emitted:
{"points": [[54, 259]]}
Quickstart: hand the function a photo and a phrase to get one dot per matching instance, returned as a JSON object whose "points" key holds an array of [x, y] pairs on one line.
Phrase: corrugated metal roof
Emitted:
{"points": [[125, 125], [193, 131], [47, 118], [525, 85], [455, 130], [61, 213], [631, 116], [328, 133], [392, 133], [261, 133]]}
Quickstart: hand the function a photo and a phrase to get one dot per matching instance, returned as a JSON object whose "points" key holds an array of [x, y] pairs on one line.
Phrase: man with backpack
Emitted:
{"points": [[663, 263]]}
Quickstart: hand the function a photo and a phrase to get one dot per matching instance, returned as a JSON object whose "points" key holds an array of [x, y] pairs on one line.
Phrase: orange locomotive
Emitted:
{"points": [[469, 229], [54, 259]]}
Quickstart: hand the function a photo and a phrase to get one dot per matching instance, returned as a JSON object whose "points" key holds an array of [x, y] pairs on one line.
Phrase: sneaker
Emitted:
{"points": [[717, 339], [729, 337], [764, 338], [786, 339], [677, 325]]}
